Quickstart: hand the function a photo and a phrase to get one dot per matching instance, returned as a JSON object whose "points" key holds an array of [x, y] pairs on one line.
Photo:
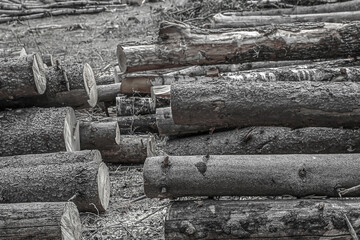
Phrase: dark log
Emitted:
{"points": [[137, 124], [291, 104], [128, 106], [52, 177], [108, 93], [281, 219], [38, 130], [47, 220], [250, 175]]}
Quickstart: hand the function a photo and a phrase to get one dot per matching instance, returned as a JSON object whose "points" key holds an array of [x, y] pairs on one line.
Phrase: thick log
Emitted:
{"points": [[77, 176], [43, 220], [22, 77], [108, 93], [167, 127], [128, 106], [291, 104], [38, 130], [250, 175], [267, 140], [281, 219]]}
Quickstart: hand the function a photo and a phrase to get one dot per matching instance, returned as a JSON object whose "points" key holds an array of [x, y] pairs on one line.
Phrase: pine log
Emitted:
{"points": [[250, 175], [137, 124], [267, 140], [167, 127], [38, 130], [274, 219], [105, 79], [134, 106], [22, 77], [290, 104], [133, 2], [108, 93], [77, 176]]}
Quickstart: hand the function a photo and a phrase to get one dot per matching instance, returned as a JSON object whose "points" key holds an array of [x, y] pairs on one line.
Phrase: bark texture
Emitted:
{"points": [[46, 220], [292, 219], [128, 106], [108, 93], [137, 124]]}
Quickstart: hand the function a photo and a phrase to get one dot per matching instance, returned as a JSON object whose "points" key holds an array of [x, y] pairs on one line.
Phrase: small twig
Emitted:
{"points": [[73, 197], [138, 199], [349, 190], [149, 215], [97, 210], [351, 229]]}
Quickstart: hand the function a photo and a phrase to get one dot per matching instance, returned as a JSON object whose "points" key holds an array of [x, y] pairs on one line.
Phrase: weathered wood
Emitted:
{"points": [[137, 124], [52, 177], [295, 104], [127, 106], [281, 219], [43, 220], [266, 140], [167, 127], [250, 175], [108, 93], [161, 95], [38, 130]]}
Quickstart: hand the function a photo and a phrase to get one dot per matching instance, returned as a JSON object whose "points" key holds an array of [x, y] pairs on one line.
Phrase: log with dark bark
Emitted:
{"points": [[128, 106], [80, 177], [38, 130], [274, 219], [267, 140], [238, 103], [250, 175], [109, 92], [42, 220], [137, 124]]}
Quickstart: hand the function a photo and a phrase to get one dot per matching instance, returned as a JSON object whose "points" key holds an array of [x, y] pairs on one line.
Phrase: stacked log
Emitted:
{"points": [[128, 106]]}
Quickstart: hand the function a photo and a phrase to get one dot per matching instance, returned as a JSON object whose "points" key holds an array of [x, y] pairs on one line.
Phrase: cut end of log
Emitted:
{"points": [[71, 132], [121, 58], [151, 147], [103, 181], [118, 134], [90, 85], [38, 69], [70, 222]]}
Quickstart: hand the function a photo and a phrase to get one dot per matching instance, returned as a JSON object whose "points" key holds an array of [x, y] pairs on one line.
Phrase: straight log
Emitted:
{"points": [[127, 106], [290, 104], [38, 130], [80, 177], [137, 124], [42, 220], [108, 93], [250, 175], [279, 219]]}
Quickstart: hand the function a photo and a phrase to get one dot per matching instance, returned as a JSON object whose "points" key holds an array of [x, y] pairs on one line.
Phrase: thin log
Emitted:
{"points": [[161, 95], [134, 2], [291, 104], [137, 124], [108, 93], [52, 177], [90, 85], [38, 130], [134, 106], [272, 219], [47, 220], [250, 175]]}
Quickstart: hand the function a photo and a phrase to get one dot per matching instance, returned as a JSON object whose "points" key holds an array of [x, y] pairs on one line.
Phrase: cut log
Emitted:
{"points": [[281, 219], [267, 140], [77, 176], [90, 85], [134, 106], [22, 77], [133, 2], [106, 79], [137, 124], [161, 95], [46, 220], [108, 93], [167, 127], [38, 130], [292, 104], [250, 175]]}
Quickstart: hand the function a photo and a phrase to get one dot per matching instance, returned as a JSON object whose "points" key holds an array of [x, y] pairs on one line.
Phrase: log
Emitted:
{"points": [[161, 95], [250, 175], [273, 219], [38, 130], [134, 106], [52, 177], [290, 104], [43, 220], [267, 140], [137, 124], [22, 77], [167, 127], [108, 93]]}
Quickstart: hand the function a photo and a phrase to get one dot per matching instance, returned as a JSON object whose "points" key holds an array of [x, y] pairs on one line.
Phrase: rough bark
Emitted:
{"points": [[295, 104], [53, 177], [281, 219], [137, 124], [250, 175], [108, 93], [128, 106], [38, 130], [58, 220]]}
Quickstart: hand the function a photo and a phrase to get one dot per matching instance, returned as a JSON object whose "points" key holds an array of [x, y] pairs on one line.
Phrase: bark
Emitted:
{"points": [[133, 2], [167, 127], [290, 104], [134, 106], [105, 79], [58, 220], [52, 177], [108, 93], [281, 219], [250, 175], [38, 130], [137, 124]]}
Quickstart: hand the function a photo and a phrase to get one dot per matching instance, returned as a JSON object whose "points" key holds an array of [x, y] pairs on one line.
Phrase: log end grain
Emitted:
{"points": [[90, 85], [70, 222], [121, 58], [38, 69], [103, 181], [117, 134], [151, 147], [71, 131]]}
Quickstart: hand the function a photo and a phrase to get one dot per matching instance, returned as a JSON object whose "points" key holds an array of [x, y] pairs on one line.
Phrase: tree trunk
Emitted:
{"points": [[38, 130], [134, 106], [58, 220], [250, 175], [267, 140], [291, 104], [22, 77], [167, 127], [79, 176], [280, 219], [108, 93]]}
